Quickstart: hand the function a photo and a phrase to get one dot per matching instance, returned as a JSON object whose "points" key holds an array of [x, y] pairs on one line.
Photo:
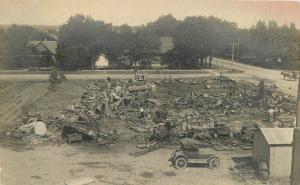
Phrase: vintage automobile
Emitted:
{"points": [[192, 154]]}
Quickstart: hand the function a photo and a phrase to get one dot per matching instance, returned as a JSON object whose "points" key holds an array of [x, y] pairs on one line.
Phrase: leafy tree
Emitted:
{"points": [[81, 40], [270, 45], [164, 26], [173, 58], [223, 34], [197, 38], [191, 39], [143, 48], [3, 40], [17, 55], [128, 49], [117, 48]]}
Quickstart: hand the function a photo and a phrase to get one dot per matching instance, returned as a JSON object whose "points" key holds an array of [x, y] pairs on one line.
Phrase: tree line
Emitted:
{"points": [[196, 39], [269, 45]]}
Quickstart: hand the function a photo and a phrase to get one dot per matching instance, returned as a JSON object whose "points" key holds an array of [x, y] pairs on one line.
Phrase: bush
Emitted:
{"points": [[55, 78]]}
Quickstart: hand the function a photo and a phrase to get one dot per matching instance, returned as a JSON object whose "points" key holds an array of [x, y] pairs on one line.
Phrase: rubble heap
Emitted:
{"points": [[162, 111]]}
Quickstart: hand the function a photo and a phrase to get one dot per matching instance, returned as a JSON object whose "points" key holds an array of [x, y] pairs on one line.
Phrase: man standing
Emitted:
{"points": [[271, 112], [142, 113], [261, 89]]}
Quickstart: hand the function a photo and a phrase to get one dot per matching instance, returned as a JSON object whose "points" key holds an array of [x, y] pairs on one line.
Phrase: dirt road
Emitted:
{"points": [[254, 74], [51, 165], [44, 77], [250, 73]]}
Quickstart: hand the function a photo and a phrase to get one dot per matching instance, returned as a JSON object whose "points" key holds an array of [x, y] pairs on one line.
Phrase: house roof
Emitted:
{"points": [[33, 43], [50, 45], [278, 136]]}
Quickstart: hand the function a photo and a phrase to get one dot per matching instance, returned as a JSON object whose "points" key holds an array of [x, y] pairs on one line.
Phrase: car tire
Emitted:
{"points": [[214, 163], [180, 162]]}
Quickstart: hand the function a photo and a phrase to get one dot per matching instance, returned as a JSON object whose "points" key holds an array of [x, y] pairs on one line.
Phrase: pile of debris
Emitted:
{"points": [[32, 132], [84, 119], [156, 113]]}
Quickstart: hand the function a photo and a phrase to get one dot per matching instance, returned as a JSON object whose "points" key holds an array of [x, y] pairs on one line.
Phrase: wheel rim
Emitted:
{"points": [[214, 163], [181, 163]]}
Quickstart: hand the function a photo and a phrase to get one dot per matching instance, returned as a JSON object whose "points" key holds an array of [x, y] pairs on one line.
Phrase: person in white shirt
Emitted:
{"points": [[271, 112]]}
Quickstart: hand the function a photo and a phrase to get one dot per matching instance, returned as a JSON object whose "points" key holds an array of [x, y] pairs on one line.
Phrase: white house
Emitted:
{"points": [[102, 62]]}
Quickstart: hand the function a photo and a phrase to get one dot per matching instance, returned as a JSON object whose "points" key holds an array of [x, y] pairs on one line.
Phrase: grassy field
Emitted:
{"points": [[19, 98]]}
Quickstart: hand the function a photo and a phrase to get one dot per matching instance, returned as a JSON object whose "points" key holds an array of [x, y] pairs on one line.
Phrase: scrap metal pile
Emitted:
{"points": [[162, 111]]}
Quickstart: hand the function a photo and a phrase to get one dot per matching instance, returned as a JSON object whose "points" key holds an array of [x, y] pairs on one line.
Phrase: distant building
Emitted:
{"points": [[46, 50], [102, 62], [166, 44], [274, 147], [41, 46], [52, 36]]}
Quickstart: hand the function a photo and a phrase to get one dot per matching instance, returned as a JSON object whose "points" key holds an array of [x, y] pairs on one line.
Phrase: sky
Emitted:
{"points": [[136, 12]]}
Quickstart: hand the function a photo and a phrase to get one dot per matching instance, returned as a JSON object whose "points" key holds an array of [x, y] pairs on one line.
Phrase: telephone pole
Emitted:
{"points": [[296, 144], [232, 55], [295, 180], [298, 106], [238, 49]]}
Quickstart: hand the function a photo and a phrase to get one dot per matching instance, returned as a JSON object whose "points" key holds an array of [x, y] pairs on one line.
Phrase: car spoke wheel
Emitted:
{"points": [[214, 163], [181, 162]]}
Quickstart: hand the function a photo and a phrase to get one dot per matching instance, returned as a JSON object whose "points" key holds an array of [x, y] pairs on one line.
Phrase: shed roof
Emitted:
{"points": [[278, 136]]}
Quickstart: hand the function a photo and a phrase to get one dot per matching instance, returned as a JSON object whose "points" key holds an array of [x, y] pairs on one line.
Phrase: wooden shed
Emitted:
{"points": [[274, 146]]}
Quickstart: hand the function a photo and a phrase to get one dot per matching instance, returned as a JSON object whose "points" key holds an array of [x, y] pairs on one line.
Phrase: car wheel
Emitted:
{"points": [[214, 163], [181, 162]]}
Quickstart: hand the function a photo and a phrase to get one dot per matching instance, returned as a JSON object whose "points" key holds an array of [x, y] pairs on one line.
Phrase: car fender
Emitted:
{"points": [[211, 157], [179, 154]]}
